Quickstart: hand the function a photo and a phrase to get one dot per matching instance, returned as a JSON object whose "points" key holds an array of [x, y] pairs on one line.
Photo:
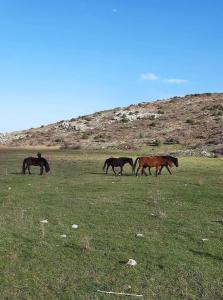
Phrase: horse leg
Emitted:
{"points": [[157, 168], [41, 170], [144, 171], [168, 169], [150, 170], [137, 171], [29, 169], [107, 169], [121, 170], [159, 173], [24, 170], [114, 170]]}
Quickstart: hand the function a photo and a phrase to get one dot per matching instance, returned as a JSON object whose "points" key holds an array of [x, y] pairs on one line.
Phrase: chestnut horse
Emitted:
{"points": [[155, 161], [35, 161], [117, 162]]}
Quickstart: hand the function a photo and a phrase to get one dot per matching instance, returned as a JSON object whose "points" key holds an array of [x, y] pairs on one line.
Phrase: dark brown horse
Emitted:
{"points": [[159, 162], [35, 161], [117, 162]]}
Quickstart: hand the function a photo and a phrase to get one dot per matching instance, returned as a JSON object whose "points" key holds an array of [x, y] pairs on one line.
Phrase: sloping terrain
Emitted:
{"points": [[193, 120]]}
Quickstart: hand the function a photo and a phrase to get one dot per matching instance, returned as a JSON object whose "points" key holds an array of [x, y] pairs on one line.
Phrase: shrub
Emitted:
{"points": [[153, 124], [160, 111], [191, 121], [156, 143], [99, 136], [73, 119], [88, 118], [84, 136], [124, 119], [171, 141], [70, 146]]}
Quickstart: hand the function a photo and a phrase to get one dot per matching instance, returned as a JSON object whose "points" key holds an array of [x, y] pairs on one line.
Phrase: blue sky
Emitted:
{"points": [[62, 59]]}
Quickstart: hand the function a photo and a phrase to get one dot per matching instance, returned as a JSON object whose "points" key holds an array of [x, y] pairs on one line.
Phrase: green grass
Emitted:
{"points": [[173, 261]]}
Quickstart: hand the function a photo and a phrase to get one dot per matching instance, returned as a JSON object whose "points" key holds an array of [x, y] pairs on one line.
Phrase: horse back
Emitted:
{"points": [[153, 161]]}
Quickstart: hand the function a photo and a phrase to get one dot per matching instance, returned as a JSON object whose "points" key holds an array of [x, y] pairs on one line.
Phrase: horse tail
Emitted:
{"points": [[47, 167], [134, 166], [24, 166], [105, 164]]}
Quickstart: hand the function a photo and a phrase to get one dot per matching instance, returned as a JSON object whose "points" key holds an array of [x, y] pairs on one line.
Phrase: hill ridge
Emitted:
{"points": [[194, 119]]}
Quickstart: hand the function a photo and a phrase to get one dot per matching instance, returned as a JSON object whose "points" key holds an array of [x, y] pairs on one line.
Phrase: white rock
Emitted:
{"points": [[44, 221], [131, 262], [63, 236], [9, 188], [74, 226], [204, 240], [139, 235]]}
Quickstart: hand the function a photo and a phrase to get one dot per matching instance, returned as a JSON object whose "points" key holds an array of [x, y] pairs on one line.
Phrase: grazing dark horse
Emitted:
{"points": [[159, 162], [117, 162], [35, 161]]}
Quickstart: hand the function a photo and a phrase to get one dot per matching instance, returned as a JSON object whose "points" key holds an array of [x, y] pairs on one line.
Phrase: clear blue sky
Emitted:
{"points": [[62, 59]]}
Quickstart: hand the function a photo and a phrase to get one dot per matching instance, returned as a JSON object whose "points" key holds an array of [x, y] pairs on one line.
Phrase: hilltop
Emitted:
{"points": [[193, 120]]}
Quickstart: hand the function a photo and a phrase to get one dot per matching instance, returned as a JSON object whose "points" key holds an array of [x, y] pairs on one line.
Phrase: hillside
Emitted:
{"points": [[193, 120]]}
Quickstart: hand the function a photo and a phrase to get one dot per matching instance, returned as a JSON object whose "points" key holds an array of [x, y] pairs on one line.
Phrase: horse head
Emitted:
{"points": [[47, 167]]}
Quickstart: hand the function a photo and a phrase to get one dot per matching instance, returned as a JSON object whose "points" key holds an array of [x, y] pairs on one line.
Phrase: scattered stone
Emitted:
{"points": [[139, 235], [131, 262], [44, 221], [74, 226]]}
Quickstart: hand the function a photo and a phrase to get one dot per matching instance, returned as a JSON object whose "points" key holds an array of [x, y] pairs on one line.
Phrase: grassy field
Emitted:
{"points": [[174, 213]]}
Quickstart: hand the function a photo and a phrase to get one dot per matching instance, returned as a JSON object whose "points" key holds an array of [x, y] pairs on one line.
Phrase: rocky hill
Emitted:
{"points": [[193, 120]]}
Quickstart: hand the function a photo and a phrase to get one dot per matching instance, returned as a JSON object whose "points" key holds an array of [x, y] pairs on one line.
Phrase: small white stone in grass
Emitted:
{"points": [[131, 262], [127, 287], [29, 183], [153, 215], [204, 240], [139, 235], [74, 226], [112, 181], [63, 236], [44, 221], [9, 188]]}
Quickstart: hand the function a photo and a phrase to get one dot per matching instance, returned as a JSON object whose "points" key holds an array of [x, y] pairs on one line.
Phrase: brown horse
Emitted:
{"points": [[35, 161], [117, 162], [155, 161]]}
